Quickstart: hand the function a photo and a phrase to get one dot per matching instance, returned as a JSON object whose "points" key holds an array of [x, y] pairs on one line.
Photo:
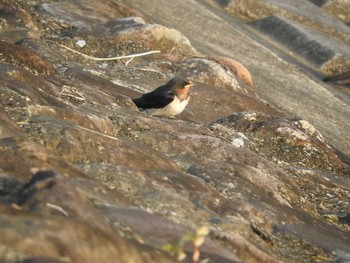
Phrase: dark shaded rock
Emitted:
{"points": [[342, 78], [287, 34], [250, 217], [319, 2], [48, 49], [9, 187], [316, 48], [40, 176], [345, 219], [100, 192], [311, 27], [40, 260], [49, 193]]}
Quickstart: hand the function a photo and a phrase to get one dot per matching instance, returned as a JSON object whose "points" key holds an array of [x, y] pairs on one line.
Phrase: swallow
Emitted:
{"points": [[167, 100]]}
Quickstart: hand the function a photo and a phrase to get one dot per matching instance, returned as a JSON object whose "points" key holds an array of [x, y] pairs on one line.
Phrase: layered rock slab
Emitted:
{"points": [[123, 164]]}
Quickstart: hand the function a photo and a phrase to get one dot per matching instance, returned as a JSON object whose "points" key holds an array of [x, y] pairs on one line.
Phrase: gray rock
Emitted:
{"points": [[87, 177], [304, 43]]}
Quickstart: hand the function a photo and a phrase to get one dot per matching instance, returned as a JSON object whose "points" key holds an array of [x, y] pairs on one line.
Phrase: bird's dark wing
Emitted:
{"points": [[156, 99]]}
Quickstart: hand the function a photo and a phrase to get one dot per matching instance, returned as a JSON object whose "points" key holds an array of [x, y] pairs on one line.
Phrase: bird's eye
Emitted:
{"points": [[184, 83]]}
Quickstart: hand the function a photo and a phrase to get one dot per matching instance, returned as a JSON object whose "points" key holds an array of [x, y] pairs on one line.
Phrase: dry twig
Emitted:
{"points": [[131, 56], [57, 208], [68, 92]]}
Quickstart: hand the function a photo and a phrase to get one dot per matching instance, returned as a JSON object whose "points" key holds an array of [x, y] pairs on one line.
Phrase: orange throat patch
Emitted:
{"points": [[184, 90]]}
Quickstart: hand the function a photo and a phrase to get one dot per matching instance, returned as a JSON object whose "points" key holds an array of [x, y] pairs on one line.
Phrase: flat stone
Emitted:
{"points": [[303, 11], [300, 139], [211, 72], [78, 242], [9, 128], [85, 16], [307, 44], [15, 161], [98, 24], [317, 234], [164, 231]]}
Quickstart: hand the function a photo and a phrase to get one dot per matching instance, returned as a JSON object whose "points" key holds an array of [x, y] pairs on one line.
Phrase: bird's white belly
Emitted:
{"points": [[173, 108]]}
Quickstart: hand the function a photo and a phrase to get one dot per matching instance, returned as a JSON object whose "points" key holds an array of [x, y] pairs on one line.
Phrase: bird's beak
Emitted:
{"points": [[190, 85]]}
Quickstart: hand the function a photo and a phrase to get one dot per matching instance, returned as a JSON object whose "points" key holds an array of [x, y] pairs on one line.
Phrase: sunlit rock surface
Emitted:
{"points": [[260, 156]]}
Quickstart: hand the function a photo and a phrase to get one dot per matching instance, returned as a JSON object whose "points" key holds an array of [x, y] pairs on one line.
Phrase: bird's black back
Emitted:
{"points": [[158, 98]]}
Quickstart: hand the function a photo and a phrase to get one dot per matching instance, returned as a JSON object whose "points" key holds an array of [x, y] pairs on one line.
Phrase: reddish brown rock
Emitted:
{"points": [[24, 58], [238, 68]]}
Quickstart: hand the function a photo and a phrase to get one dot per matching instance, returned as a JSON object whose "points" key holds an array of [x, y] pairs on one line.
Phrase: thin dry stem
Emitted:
{"points": [[131, 56]]}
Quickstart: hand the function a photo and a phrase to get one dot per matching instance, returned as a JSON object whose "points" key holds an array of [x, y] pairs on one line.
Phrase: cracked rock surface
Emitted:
{"points": [[255, 158]]}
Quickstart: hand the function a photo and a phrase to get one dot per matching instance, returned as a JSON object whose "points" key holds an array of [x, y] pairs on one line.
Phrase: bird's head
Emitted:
{"points": [[181, 85]]}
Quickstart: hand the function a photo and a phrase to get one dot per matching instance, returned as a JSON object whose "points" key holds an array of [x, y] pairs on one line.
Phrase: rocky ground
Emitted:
{"points": [[257, 166]]}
